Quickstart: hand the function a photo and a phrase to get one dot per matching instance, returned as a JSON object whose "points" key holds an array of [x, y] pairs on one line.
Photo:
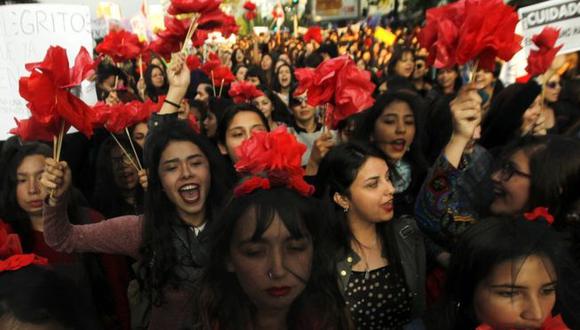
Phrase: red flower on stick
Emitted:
{"points": [[273, 156], [192, 6], [11, 253], [339, 84], [248, 5], [540, 60], [244, 91], [31, 130], [121, 46], [46, 90], [193, 62], [314, 33], [539, 213], [250, 8]]}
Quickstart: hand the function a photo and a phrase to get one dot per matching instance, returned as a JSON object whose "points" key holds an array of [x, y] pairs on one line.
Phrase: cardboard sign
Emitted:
{"points": [[26, 32]]}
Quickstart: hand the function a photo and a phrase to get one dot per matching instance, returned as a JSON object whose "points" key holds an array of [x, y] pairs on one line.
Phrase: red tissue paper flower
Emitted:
{"points": [[248, 5], [470, 30], [31, 130], [193, 62], [192, 6], [338, 83], [217, 20], [550, 323], [9, 242], [539, 213], [441, 32], [121, 46], [488, 31], [244, 91], [540, 60], [115, 118], [273, 156], [250, 8], [313, 33], [46, 90]]}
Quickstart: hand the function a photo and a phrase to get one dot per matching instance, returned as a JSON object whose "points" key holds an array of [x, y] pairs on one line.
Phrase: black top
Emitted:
{"points": [[378, 299]]}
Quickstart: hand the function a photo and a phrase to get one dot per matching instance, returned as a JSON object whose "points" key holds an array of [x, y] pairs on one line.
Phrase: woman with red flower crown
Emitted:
{"points": [[103, 278], [270, 267], [508, 273], [184, 192]]}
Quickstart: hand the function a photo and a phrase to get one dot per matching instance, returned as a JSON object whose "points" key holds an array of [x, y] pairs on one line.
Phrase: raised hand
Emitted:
{"points": [[56, 178]]}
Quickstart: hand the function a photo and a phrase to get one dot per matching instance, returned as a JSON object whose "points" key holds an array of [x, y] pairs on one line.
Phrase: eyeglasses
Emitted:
{"points": [[507, 169], [553, 84]]}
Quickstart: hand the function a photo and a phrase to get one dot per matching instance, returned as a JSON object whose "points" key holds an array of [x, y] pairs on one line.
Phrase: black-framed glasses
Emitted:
{"points": [[507, 170]]}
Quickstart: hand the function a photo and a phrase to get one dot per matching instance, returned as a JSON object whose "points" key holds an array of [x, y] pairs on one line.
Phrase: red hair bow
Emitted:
{"points": [[121, 46], [540, 60], [49, 100], [539, 213], [244, 91], [271, 159], [313, 33]]}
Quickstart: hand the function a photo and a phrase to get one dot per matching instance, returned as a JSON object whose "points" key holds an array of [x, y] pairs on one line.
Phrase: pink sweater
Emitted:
{"points": [[121, 235]]}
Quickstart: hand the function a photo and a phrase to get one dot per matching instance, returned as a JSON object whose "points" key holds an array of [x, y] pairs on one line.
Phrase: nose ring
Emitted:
{"points": [[270, 274]]}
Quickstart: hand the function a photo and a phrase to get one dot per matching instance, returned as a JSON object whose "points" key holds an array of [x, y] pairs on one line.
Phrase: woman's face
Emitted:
{"points": [[157, 77], [420, 69], [446, 78], [274, 269], [239, 130], [483, 79], [30, 194], [210, 124], [241, 73], [517, 296], [124, 173], [361, 64], [239, 56], [553, 89], [404, 66], [371, 192], [511, 185], [303, 112], [264, 104], [185, 176], [531, 115], [395, 130], [284, 76], [140, 133], [266, 62]]}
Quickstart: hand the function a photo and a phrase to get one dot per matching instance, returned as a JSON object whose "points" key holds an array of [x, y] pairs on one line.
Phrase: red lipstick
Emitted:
{"points": [[279, 291]]}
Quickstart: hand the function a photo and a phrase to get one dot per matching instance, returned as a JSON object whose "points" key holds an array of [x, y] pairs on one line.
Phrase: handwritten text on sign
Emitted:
{"points": [[26, 32]]}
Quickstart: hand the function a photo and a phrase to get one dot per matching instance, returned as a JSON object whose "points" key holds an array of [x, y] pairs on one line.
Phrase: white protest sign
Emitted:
{"points": [[26, 32], [561, 14]]}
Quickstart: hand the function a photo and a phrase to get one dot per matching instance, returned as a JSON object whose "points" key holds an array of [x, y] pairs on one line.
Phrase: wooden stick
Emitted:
{"points": [[473, 71], [213, 84], [221, 87], [124, 151], [190, 31], [60, 138], [133, 147], [141, 65]]}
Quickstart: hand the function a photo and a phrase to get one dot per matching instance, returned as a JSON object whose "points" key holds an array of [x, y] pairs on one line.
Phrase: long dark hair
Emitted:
{"points": [[276, 83], [152, 91], [223, 302], [398, 54], [107, 196], [336, 173], [10, 210], [492, 242], [229, 115], [280, 111], [159, 255]]}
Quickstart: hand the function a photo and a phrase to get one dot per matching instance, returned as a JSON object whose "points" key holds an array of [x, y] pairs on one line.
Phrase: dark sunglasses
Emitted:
{"points": [[507, 170], [419, 66], [553, 84]]}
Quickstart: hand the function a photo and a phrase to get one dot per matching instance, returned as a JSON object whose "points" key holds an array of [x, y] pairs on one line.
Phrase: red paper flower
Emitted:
{"points": [[11, 252], [9, 243], [539, 213], [487, 33], [193, 123], [250, 15], [21, 260], [217, 20], [199, 38], [550, 323], [313, 33], [540, 60], [31, 130], [441, 33], [193, 62], [115, 118], [121, 46], [165, 47], [223, 76], [244, 91], [339, 84], [192, 6], [46, 90], [248, 5], [273, 156]]}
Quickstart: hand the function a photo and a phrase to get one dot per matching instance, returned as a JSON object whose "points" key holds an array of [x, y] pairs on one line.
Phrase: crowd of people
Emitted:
{"points": [[445, 205]]}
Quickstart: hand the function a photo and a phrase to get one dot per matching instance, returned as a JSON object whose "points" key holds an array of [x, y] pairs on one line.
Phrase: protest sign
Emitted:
{"points": [[26, 32]]}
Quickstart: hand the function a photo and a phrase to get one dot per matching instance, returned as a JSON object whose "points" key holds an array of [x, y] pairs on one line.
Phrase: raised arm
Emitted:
{"points": [[115, 236]]}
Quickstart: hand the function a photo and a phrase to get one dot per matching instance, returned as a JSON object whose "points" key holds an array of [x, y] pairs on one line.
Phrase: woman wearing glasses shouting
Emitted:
{"points": [[463, 185]]}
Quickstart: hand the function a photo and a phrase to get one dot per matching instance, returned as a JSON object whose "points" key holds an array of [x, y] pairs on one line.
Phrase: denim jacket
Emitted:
{"points": [[412, 252]]}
